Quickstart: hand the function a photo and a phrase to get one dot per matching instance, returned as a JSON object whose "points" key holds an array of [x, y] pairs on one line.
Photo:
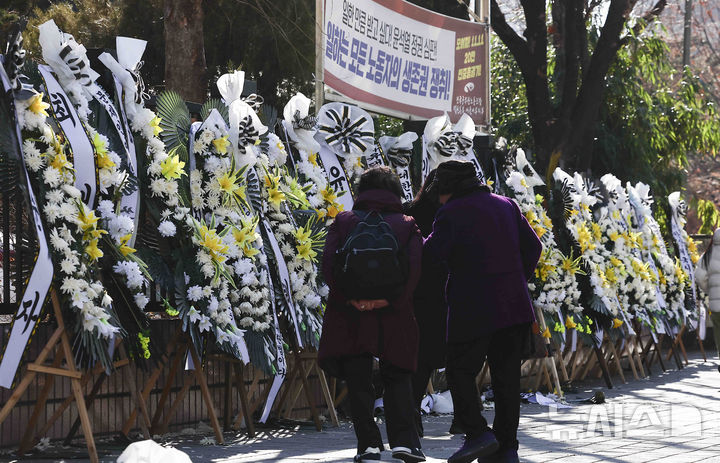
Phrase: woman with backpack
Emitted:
{"points": [[707, 276], [371, 263]]}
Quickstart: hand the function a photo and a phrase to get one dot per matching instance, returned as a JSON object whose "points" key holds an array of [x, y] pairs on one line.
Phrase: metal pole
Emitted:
{"points": [[687, 32], [319, 53]]}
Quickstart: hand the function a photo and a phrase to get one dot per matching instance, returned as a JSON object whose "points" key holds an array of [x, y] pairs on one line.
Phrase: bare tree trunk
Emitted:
{"points": [[185, 68]]}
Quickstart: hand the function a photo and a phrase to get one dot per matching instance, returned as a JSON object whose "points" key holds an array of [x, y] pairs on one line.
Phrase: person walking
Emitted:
{"points": [[707, 276], [429, 299], [490, 251], [361, 323]]}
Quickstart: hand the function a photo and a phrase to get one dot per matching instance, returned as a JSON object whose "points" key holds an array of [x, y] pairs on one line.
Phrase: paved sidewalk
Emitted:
{"points": [[670, 417]]}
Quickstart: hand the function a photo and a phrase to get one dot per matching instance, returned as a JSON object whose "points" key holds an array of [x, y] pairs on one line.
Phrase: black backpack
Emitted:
{"points": [[371, 264]]}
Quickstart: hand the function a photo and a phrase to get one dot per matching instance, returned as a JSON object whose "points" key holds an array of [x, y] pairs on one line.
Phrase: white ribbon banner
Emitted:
{"points": [[281, 362], [284, 276], [685, 259], [38, 284], [77, 137], [337, 177]]}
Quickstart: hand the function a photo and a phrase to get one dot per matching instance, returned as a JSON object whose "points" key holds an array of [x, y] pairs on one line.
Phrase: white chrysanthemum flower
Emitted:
{"points": [[167, 228], [141, 300]]}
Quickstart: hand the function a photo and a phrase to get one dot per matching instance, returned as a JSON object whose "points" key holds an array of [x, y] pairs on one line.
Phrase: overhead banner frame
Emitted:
{"points": [[388, 57]]}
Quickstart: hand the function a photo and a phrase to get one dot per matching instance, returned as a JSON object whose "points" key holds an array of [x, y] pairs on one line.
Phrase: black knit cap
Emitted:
{"points": [[455, 176]]}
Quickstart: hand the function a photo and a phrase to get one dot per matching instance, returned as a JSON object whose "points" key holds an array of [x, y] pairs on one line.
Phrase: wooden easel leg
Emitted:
{"points": [[553, 369], [256, 403], [295, 394], [90, 399], [603, 367], [227, 388], [326, 394], [157, 416], [634, 346], [308, 393], [75, 383], [26, 443], [30, 375], [136, 398], [87, 376], [702, 348], [163, 428], [244, 408], [199, 374], [618, 364], [563, 371]]}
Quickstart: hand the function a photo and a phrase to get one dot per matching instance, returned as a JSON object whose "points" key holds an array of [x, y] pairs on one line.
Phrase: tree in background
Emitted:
{"points": [[650, 117], [564, 94], [185, 69]]}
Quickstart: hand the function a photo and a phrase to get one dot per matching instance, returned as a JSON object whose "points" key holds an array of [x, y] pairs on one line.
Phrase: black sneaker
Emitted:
{"points": [[370, 453], [483, 445], [408, 455]]}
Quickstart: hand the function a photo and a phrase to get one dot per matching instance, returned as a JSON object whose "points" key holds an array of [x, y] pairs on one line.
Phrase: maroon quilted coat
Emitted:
{"points": [[390, 333]]}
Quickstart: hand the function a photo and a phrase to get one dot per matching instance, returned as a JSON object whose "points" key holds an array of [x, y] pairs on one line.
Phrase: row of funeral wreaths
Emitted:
{"points": [[222, 217], [609, 271], [233, 225]]}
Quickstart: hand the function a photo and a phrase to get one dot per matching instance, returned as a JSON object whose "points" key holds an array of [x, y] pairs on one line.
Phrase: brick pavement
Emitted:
{"points": [[670, 417]]}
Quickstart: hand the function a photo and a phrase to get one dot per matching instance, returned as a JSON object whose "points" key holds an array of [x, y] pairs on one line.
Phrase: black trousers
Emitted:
{"points": [[420, 380], [398, 400], [502, 350]]}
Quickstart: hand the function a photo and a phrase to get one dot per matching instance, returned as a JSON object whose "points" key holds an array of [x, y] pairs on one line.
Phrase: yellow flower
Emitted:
{"points": [[312, 158], [334, 209], [321, 213], [87, 219], [155, 124], [228, 184], [617, 323], [60, 162], [610, 276], [614, 235], [530, 216], [546, 334], [210, 240], [546, 221], [302, 235], [37, 105], [679, 272], [101, 151], [280, 146], [276, 196], [523, 182], [306, 252], [615, 261], [221, 144], [570, 323], [596, 231], [250, 251], [328, 194], [126, 250], [172, 167], [93, 251], [94, 234], [570, 265], [539, 230], [584, 238]]}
